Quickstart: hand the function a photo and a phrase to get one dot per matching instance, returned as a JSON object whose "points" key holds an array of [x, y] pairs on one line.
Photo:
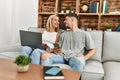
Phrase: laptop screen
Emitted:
{"points": [[31, 39]]}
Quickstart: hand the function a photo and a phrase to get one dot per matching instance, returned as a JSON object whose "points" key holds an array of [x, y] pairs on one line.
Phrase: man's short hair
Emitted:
{"points": [[72, 15]]}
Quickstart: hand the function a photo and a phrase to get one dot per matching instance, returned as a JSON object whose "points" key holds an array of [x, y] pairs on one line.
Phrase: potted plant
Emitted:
{"points": [[67, 9], [22, 63], [109, 27]]}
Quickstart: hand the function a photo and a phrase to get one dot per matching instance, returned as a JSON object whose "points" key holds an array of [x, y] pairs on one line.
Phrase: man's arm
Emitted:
{"points": [[90, 53]]}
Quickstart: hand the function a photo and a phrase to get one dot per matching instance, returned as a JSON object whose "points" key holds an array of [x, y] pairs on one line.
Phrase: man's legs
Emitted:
{"points": [[35, 56], [77, 63], [25, 50], [53, 60]]}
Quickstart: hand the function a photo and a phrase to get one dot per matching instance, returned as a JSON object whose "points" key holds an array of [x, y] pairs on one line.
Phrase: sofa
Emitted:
{"points": [[104, 65]]}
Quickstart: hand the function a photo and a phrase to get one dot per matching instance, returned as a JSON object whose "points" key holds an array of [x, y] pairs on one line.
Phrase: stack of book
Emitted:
{"points": [[53, 73]]}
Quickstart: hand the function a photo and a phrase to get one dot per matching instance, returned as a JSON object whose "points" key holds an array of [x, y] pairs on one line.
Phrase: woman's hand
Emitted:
{"points": [[45, 45], [41, 31]]}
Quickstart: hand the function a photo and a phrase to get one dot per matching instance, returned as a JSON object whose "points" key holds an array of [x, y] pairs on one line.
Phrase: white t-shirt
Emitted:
{"points": [[49, 38]]}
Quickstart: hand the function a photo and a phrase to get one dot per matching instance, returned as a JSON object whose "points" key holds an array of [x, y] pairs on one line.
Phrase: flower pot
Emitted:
{"points": [[22, 68], [67, 11], [62, 11], [109, 30]]}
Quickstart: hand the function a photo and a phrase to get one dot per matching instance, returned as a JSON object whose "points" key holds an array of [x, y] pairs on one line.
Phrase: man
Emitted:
{"points": [[74, 44]]}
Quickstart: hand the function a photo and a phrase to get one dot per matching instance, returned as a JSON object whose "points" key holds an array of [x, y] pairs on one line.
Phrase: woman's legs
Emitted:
{"points": [[25, 50], [77, 63], [52, 60], [35, 56]]}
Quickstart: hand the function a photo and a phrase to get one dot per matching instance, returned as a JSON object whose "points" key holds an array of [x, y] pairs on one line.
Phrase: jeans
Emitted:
{"points": [[76, 63], [34, 54], [55, 59]]}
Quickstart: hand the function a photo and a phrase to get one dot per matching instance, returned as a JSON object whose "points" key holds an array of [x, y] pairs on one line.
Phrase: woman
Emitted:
{"points": [[49, 37]]}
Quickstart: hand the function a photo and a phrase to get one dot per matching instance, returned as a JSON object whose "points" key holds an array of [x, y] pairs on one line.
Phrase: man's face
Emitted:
{"points": [[68, 21]]}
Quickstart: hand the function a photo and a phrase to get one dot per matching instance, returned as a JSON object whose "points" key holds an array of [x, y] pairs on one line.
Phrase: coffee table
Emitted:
{"points": [[8, 71]]}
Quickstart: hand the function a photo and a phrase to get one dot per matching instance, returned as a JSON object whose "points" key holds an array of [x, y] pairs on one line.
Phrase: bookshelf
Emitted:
{"points": [[90, 12]]}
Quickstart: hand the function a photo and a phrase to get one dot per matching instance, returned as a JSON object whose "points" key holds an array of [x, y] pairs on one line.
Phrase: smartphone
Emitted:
{"points": [[56, 45]]}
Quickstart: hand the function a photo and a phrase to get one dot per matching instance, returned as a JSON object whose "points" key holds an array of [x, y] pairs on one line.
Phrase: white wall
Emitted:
{"points": [[27, 13], [15, 15], [5, 21]]}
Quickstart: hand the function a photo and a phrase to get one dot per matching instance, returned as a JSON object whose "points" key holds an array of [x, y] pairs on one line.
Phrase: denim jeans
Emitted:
{"points": [[34, 54], [55, 59], [76, 63]]}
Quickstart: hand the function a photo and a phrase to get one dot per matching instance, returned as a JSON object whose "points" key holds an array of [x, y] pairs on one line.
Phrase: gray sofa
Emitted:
{"points": [[105, 64]]}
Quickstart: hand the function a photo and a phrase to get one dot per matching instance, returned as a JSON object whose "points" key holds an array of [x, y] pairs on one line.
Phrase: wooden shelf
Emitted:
{"points": [[89, 14], [107, 14], [46, 13], [96, 20]]}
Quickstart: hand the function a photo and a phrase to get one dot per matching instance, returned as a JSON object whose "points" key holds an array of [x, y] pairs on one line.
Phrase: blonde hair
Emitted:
{"points": [[49, 23]]}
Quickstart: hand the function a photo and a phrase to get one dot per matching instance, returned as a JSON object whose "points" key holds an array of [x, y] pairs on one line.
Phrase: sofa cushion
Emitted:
{"points": [[111, 46], [97, 37], [93, 71], [34, 29], [112, 70], [11, 48], [63, 66], [9, 55]]}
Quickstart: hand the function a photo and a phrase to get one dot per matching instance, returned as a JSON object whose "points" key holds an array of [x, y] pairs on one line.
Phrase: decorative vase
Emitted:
{"points": [[84, 8], [67, 11], [109, 30], [22, 68], [62, 11]]}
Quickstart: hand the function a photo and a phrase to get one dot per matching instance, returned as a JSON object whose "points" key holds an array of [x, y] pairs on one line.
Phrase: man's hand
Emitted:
{"points": [[57, 50], [41, 31], [80, 55]]}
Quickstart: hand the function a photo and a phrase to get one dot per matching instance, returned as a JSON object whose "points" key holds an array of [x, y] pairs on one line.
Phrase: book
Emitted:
{"points": [[93, 7], [53, 73], [105, 6], [97, 11]]}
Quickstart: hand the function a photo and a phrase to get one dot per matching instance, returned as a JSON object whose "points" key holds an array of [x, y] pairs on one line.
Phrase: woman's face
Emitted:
{"points": [[55, 21]]}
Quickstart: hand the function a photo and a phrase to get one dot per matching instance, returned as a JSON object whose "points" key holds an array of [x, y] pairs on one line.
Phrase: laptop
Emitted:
{"points": [[31, 39]]}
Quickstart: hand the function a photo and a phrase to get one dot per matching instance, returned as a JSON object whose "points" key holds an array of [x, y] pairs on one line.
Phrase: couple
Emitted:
{"points": [[73, 45]]}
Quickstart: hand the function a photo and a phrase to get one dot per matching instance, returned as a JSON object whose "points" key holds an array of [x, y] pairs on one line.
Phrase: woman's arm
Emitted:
{"points": [[41, 31], [57, 37]]}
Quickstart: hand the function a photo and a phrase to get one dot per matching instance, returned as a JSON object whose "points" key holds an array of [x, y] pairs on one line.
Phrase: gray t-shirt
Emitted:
{"points": [[75, 42]]}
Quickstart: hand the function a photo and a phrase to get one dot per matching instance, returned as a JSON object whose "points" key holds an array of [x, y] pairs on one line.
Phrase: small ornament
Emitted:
{"points": [[84, 8], [62, 11]]}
